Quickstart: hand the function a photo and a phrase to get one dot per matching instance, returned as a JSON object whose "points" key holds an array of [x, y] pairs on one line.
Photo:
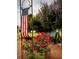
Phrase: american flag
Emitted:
{"points": [[24, 25]]}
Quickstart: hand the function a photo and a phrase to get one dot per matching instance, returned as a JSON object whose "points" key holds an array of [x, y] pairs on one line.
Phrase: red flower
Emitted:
{"points": [[33, 47], [37, 37], [43, 43], [44, 36]]}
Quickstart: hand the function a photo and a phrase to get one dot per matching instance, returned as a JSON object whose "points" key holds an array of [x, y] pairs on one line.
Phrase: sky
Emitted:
{"points": [[36, 7]]}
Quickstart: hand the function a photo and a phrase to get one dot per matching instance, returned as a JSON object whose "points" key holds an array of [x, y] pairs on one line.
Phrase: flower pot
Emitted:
{"points": [[54, 52]]}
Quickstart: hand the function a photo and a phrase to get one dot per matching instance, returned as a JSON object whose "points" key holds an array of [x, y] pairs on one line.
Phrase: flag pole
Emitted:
{"points": [[32, 26]]}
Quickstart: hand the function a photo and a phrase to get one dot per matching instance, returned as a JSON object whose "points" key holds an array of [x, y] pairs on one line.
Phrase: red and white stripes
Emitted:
{"points": [[23, 25]]}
